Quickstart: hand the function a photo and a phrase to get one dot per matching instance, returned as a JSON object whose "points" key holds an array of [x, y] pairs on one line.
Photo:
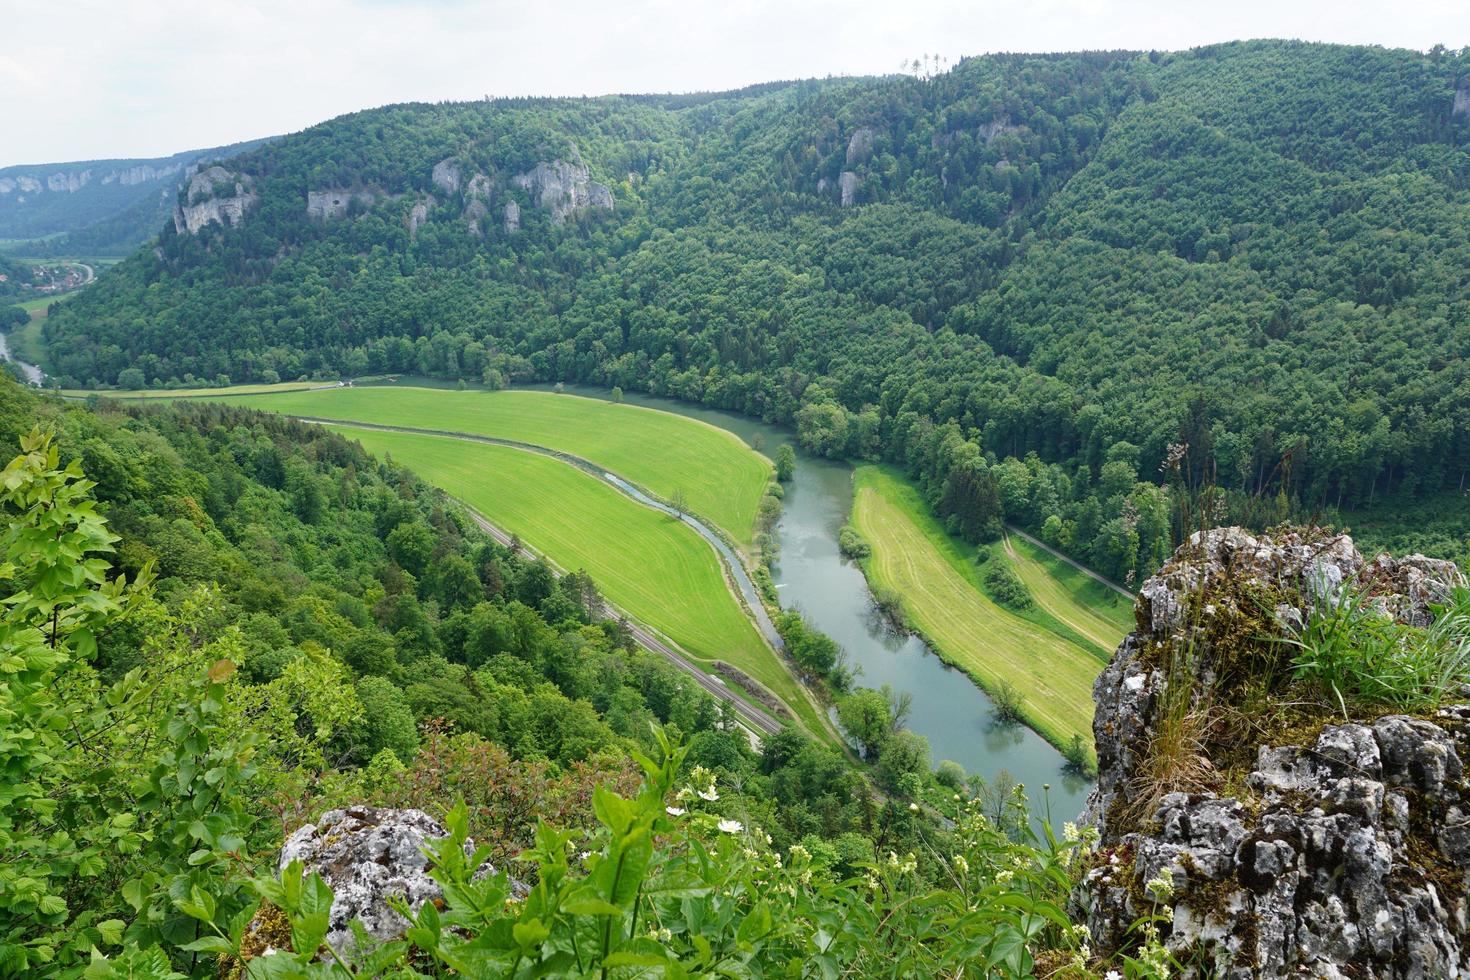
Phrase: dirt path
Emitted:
{"points": [[1080, 567]]}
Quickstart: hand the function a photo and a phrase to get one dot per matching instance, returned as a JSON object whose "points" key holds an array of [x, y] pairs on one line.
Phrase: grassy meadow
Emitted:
{"points": [[722, 479], [939, 587], [1080, 602], [648, 564]]}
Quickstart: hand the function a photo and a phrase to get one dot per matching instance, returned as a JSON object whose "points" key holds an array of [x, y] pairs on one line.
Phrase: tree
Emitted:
{"points": [[785, 463], [679, 501], [617, 395], [865, 716]]}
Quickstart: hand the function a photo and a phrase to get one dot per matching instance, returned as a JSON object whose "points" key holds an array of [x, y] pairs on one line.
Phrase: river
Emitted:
{"points": [[31, 373], [948, 709]]}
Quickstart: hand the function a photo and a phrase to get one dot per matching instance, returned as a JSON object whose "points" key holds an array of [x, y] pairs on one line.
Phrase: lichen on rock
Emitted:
{"points": [[368, 855], [1331, 849]]}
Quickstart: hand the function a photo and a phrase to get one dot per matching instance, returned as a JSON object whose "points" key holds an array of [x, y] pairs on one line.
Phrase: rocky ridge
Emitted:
{"points": [[204, 205], [1339, 849]]}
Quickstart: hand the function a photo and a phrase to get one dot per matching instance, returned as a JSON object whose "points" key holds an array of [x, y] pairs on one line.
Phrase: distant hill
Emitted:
{"points": [[1246, 263], [95, 206]]}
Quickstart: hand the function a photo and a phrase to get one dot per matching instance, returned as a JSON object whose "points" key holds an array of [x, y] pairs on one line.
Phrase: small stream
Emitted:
{"points": [[31, 372], [948, 709]]}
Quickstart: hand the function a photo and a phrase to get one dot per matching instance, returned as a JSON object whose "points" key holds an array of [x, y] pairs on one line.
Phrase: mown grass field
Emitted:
{"points": [[1079, 601], [211, 394], [939, 587], [722, 479], [646, 563]]}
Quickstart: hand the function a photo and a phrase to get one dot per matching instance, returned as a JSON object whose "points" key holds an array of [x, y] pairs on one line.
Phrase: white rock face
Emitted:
{"points": [[1462, 102], [29, 185], [997, 127], [417, 216], [847, 183], [479, 186], [512, 216], [475, 213], [69, 183], [332, 203], [860, 146], [203, 207], [446, 176], [563, 188], [7, 185]]}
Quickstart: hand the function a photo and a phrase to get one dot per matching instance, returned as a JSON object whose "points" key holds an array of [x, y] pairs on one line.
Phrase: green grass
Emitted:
{"points": [[656, 569], [25, 343], [1079, 602], [204, 393], [722, 478], [939, 585]]}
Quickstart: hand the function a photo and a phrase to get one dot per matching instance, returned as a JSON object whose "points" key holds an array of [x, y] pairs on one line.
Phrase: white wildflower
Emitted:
{"points": [[674, 811], [731, 826]]}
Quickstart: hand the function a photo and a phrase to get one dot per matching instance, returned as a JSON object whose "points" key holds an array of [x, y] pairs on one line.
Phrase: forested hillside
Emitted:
{"points": [[1257, 251], [381, 649], [94, 207]]}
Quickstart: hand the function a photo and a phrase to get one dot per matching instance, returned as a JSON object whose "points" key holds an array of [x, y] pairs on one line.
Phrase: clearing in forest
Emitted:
{"points": [[722, 478], [938, 585], [648, 564]]}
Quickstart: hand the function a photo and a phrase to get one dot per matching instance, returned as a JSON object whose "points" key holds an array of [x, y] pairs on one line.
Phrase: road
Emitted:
{"points": [[753, 718], [1081, 568]]}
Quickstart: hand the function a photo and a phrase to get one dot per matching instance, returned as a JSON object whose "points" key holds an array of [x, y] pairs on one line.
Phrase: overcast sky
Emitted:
{"points": [[138, 78]]}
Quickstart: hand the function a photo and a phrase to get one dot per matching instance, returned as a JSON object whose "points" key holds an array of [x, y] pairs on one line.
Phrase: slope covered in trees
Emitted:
{"points": [[1254, 250]]}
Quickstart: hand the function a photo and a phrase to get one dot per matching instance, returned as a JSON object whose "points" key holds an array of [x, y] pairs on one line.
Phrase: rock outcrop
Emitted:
{"points": [[417, 215], [860, 146], [333, 203], [214, 196], [446, 176], [563, 188], [997, 127], [847, 185], [1461, 107], [1339, 849], [474, 215], [512, 216], [366, 855]]}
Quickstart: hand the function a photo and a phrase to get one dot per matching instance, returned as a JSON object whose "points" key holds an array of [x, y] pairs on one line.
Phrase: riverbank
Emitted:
{"points": [[943, 600]]}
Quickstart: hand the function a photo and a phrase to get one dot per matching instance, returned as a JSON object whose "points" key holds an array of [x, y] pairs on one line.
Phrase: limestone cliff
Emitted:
{"points": [[563, 188], [1461, 107], [333, 203], [847, 185], [1297, 843], [860, 145], [214, 196]]}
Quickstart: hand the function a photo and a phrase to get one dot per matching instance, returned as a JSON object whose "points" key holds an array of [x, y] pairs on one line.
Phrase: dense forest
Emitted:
{"points": [[220, 623], [1034, 281]]}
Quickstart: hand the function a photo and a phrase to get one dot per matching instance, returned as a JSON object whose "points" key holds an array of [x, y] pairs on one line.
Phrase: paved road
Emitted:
{"points": [[1081, 568], [758, 721]]}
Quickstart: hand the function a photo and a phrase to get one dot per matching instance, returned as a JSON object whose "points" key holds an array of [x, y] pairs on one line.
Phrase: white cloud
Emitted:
{"points": [[131, 78]]}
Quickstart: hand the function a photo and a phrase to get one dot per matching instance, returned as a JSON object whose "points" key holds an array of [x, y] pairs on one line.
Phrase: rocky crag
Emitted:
{"points": [[1323, 848], [367, 855], [214, 196]]}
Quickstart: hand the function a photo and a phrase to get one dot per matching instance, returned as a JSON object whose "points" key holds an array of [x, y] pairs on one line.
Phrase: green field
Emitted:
{"points": [[722, 478], [1079, 601], [648, 564], [939, 586], [25, 343], [203, 393]]}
